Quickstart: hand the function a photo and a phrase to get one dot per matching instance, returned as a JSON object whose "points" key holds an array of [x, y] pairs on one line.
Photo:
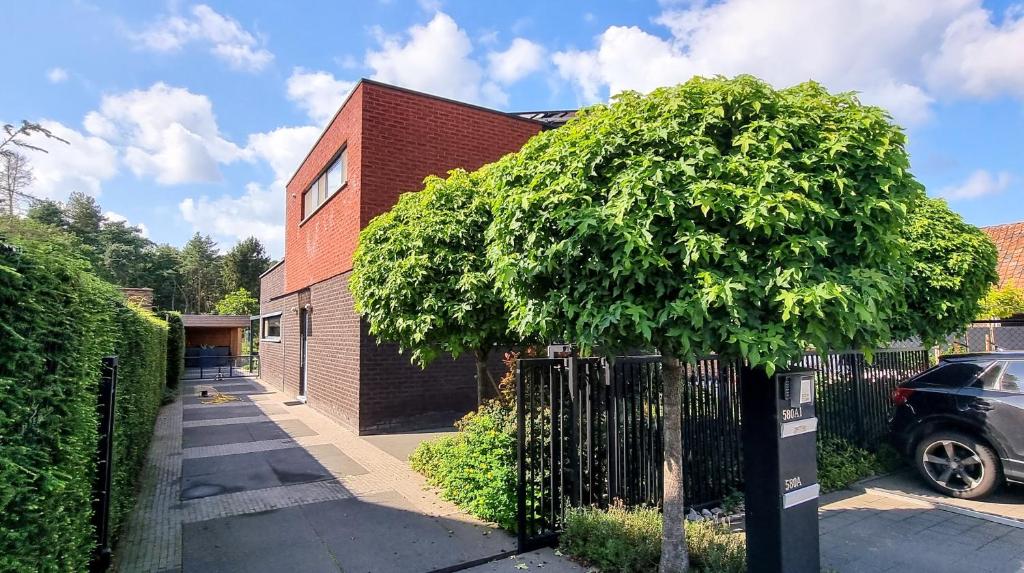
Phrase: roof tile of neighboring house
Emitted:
{"points": [[1009, 239], [214, 321]]}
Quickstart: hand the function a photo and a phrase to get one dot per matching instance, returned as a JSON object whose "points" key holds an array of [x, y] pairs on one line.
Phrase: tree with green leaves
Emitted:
{"points": [[421, 278], [239, 301], [717, 216], [48, 212], [951, 265], [244, 264], [1005, 301], [200, 274], [84, 219]]}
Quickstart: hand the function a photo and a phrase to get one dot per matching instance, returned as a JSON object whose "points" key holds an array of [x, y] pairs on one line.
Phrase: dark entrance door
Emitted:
{"points": [[303, 351]]}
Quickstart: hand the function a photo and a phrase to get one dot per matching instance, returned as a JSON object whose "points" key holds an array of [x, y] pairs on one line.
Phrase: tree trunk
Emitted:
{"points": [[485, 386], [674, 556]]}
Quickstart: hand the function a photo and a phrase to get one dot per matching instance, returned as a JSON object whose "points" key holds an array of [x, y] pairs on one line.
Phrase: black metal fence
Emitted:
{"points": [[590, 432], [217, 367], [104, 464]]}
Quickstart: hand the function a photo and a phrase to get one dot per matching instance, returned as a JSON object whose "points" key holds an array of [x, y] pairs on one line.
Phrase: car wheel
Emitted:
{"points": [[958, 465]]}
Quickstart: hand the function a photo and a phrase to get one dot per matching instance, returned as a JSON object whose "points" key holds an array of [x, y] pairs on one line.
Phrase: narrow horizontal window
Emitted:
{"points": [[329, 182]]}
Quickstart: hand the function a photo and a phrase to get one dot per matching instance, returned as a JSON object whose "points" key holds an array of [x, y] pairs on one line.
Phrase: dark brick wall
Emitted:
{"points": [[334, 359], [279, 360]]}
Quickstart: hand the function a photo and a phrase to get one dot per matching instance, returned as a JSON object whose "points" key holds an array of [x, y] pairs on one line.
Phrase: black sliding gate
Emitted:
{"points": [[589, 430], [104, 464]]}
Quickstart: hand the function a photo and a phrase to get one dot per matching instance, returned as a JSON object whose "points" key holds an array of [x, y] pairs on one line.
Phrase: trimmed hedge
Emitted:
{"points": [[57, 320], [175, 348]]}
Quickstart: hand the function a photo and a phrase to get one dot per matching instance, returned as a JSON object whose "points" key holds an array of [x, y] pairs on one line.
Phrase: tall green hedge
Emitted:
{"points": [[57, 321], [175, 348]]}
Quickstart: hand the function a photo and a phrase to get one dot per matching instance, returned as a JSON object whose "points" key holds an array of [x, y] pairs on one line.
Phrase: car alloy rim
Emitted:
{"points": [[953, 465]]}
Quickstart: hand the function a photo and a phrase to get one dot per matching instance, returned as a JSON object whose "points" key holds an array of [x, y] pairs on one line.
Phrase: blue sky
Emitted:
{"points": [[188, 116]]}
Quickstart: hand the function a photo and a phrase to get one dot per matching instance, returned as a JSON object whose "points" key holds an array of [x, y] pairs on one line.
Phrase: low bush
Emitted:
{"points": [[476, 468], [841, 463], [628, 540], [58, 320], [175, 348]]}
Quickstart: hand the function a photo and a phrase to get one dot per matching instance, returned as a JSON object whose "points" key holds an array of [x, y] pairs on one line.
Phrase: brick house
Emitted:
{"points": [[1009, 240], [382, 142]]}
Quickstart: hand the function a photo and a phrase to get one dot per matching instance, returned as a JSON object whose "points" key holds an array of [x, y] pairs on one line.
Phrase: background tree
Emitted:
{"points": [[15, 137], [951, 265], [15, 177], [420, 276], [244, 264], [84, 219], [164, 277], [239, 301], [1006, 301], [47, 212], [200, 274], [720, 215]]}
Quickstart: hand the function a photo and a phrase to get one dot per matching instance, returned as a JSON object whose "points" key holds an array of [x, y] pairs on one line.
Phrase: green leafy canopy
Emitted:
{"points": [[420, 274], [720, 215], [950, 266]]}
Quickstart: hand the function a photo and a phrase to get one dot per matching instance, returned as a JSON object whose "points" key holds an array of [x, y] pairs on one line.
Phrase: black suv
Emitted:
{"points": [[962, 422]]}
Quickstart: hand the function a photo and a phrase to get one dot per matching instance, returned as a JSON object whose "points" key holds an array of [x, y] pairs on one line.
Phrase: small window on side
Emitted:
{"points": [[336, 173], [308, 202], [271, 328], [989, 380], [954, 374]]}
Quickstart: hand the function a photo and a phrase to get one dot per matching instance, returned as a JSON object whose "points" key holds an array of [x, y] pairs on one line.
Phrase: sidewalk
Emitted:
{"points": [[261, 483]]}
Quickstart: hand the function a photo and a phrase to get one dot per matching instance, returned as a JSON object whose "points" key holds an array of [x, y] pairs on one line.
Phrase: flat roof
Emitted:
{"points": [[215, 320]]}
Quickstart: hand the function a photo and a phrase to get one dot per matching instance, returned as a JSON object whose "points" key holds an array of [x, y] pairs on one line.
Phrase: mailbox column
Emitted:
{"points": [[780, 471]]}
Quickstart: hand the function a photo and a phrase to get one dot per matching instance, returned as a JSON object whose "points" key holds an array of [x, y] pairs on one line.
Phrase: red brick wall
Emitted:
{"points": [[322, 246], [407, 136]]}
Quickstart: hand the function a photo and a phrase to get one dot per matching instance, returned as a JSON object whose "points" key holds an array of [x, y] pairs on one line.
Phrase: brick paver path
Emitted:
{"points": [[259, 483]]}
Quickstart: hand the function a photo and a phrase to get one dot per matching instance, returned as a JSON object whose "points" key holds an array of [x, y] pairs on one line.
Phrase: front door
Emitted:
{"points": [[303, 352]]}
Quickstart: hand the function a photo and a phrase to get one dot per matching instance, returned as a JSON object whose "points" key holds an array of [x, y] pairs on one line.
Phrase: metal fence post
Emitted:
{"points": [[521, 533], [104, 464]]}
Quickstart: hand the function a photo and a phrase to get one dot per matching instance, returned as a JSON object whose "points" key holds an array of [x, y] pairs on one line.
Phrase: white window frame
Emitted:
{"points": [[322, 189], [263, 328]]}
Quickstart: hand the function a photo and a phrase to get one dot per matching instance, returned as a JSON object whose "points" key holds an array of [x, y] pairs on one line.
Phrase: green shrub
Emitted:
{"points": [[627, 540], [57, 322], [175, 348], [476, 468], [841, 463]]}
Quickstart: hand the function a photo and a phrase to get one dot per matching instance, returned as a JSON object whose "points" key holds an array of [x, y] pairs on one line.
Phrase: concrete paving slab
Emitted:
{"points": [[271, 541], [383, 533], [542, 560], [194, 437], [401, 446], [1008, 502], [214, 413], [196, 399], [327, 456]]}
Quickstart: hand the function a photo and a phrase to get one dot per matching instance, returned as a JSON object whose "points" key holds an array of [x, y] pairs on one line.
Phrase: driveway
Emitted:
{"points": [[253, 482], [893, 524]]}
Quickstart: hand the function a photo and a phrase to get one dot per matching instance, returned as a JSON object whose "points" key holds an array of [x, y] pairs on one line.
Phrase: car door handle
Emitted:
{"points": [[981, 405]]}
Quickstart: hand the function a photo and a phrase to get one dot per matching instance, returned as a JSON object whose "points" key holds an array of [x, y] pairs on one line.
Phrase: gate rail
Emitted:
{"points": [[216, 367]]}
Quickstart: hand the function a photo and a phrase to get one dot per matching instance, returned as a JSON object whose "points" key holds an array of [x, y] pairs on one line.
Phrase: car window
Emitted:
{"points": [[954, 374], [1013, 377], [989, 380]]}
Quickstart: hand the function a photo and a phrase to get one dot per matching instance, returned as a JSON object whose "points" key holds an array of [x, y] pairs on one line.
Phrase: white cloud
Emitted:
{"points": [[978, 58], [319, 93], [882, 49], [978, 184], [227, 39], [119, 218], [283, 149], [522, 58], [434, 58], [57, 75], [259, 211], [82, 165], [167, 132]]}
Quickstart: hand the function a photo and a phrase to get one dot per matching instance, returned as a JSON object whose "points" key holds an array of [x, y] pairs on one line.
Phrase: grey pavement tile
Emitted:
{"points": [[237, 433], [296, 428], [383, 534], [216, 475], [220, 412], [272, 542]]}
